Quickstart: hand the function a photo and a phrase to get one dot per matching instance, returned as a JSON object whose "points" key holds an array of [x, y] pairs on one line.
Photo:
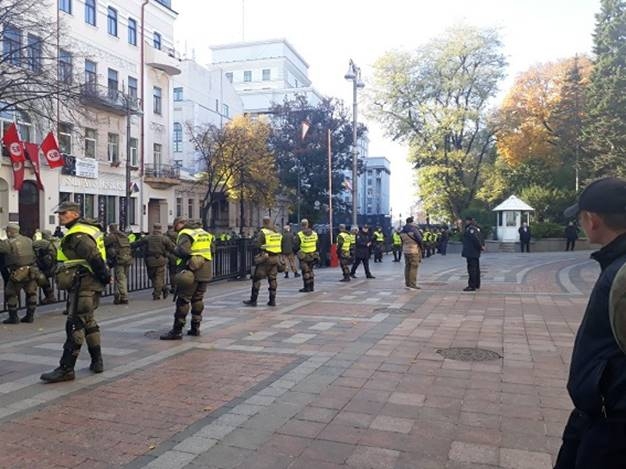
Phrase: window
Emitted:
{"points": [[65, 138], [266, 74], [66, 6], [112, 21], [156, 40], [247, 76], [156, 100], [90, 143], [90, 12], [132, 87], [132, 31], [157, 154], [178, 137], [113, 148], [225, 110], [89, 206], [65, 66], [132, 210], [134, 144], [178, 94], [511, 218], [112, 83], [190, 208], [11, 44], [91, 76], [179, 206], [33, 53], [229, 76]]}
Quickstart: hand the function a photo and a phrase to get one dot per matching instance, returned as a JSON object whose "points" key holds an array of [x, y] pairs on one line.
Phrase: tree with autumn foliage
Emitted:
{"points": [[235, 161], [436, 99]]}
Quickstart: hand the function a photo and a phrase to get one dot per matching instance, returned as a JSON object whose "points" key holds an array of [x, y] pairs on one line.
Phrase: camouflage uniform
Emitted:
{"points": [[306, 246], [344, 245], [45, 247], [268, 242], [157, 248], [195, 248], [119, 258], [23, 274], [171, 257], [85, 275]]}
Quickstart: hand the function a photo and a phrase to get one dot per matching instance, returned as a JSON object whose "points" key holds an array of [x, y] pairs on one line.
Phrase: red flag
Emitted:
{"points": [[12, 141], [50, 149], [32, 154]]}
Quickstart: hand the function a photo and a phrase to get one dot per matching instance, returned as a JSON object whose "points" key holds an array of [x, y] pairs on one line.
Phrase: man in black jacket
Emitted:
{"points": [[472, 247], [524, 237], [595, 434], [362, 252]]}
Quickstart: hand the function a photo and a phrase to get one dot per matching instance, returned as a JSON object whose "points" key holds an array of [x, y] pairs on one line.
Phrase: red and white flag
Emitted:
{"points": [[50, 149], [32, 155], [12, 142]]}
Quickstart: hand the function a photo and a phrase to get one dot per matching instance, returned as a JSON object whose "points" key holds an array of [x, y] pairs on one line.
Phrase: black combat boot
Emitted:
{"points": [[286, 274], [195, 329], [12, 319], [65, 370], [253, 297], [346, 278], [311, 283], [296, 274], [30, 315], [97, 366], [272, 301], [175, 334], [166, 292]]}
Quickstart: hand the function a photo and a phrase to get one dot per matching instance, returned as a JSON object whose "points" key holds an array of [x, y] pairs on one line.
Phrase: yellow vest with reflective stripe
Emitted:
{"points": [[94, 233], [201, 245], [273, 241], [307, 243], [347, 241], [378, 236], [353, 239], [397, 240]]}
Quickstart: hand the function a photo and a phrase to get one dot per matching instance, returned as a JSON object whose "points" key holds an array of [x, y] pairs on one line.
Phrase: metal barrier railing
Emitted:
{"points": [[233, 259]]}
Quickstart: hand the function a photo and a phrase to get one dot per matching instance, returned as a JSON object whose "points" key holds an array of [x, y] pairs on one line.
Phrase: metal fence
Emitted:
{"points": [[233, 259]]}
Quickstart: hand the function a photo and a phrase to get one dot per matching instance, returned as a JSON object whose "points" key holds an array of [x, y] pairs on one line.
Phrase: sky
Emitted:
{"points": [[327, 33]]}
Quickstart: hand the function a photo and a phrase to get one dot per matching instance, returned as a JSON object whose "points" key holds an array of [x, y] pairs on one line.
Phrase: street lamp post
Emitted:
{"points": [[354, 75]]}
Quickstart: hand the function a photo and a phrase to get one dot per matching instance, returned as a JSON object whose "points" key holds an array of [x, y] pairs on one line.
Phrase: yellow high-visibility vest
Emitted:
{"points": [[94, 233], [378, 236], [201, 245], [347, 241], [273, 241], [396, 239], [307, 243], [352, 239]]}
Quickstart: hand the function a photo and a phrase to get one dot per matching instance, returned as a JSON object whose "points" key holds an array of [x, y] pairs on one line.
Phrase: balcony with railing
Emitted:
{"points": [[108, 99], [161, 176], [165, 59]]}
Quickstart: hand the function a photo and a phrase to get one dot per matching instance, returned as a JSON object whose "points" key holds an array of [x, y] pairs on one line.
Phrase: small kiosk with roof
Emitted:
{"points": [[511, 214]]}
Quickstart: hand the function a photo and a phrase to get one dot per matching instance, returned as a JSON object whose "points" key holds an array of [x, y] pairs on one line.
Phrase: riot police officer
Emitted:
{"points": [[171, 257], [195, 248], [344, 245], [472, 247], [23, 274], [45, 247], [305, 244], [396, 245], [157, 248], [119, 258], [379, 243], [268, 242], [84, 274]]}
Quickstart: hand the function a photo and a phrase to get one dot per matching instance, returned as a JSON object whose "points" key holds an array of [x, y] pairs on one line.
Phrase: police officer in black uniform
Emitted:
{"points": [[595, 434], [472, 247]]}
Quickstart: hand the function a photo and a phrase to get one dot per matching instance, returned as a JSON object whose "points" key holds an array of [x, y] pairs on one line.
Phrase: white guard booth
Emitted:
{"points": [[510, 215]]}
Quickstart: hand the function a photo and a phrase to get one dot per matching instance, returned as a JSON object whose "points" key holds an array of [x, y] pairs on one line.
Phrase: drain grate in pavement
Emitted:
{"points": [[469, 354]]}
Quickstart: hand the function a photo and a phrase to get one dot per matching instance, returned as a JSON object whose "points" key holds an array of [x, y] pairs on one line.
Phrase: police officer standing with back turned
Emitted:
{"points": [[171, 257], [344, 245], [23, 274], [305, 244], [46, 258], [195, 248], [157, 247], [472, 247], [268, 242], [119, 258], [84, 274]]}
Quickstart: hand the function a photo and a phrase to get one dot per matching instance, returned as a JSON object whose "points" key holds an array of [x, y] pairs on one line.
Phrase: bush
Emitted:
{"points": [[547, 230]]}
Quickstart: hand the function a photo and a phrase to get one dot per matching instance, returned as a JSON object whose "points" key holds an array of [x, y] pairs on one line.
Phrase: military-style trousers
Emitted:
{"points": [[344, 262], [290, 260], [397, 253], [411, 264], [190, 298], [306, 266], [378, 252], [81, 325], [473, 271], [121, 282], [157, 277], [12, 294], [269, 270]]}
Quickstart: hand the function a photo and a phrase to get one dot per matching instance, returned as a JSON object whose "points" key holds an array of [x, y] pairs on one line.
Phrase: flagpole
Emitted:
{"points": [[330, 189]]}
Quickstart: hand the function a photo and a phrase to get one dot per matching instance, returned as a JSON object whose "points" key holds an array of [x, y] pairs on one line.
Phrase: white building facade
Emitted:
{"points": [[374, 186], [122, 61]]}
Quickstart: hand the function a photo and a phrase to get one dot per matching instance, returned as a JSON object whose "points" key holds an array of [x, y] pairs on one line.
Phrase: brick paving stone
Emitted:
{"points": [[405, 398], [317, 414], [354, 419], [472, 453], [365, 457], [521, 459], [392, 424], [329, 451], [302, 428]]}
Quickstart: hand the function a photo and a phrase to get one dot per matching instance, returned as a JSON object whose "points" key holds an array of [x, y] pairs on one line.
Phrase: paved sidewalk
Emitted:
{"points": [[350, 376]]}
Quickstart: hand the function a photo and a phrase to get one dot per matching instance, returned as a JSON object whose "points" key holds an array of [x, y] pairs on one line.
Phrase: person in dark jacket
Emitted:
{"points": [[571, 235], [472, 247], [595, 434], [524, 237], [362, 252], [288, 253]]}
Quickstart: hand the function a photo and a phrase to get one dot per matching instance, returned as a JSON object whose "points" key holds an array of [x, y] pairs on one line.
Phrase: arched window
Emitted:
{"points": [[178, 137]]}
